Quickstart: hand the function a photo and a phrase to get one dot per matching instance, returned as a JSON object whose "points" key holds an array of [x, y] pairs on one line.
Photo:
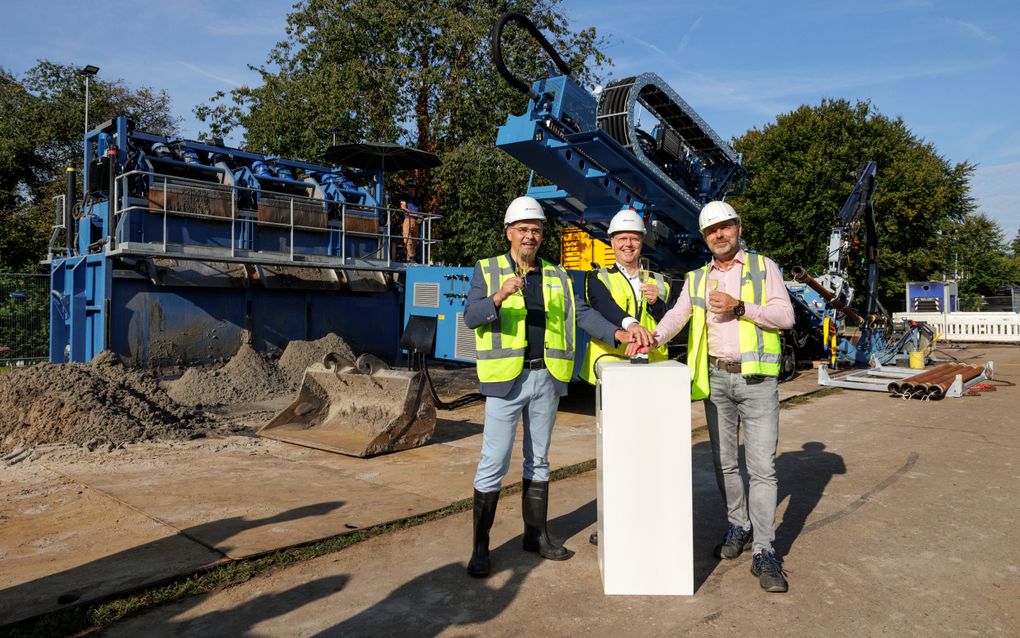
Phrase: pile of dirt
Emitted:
{"points": [[247, 377], [301, 354], [100, 404]]}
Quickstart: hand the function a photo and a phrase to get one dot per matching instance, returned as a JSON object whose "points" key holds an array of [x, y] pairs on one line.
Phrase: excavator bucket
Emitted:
{"points": [[359, 408]]}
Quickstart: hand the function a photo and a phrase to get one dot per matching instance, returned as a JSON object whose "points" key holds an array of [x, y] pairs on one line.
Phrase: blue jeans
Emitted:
{"points": [[753, 402], [535, 397]]}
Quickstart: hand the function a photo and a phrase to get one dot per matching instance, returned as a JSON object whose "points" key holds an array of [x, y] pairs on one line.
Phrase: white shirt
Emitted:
{"points": [[635, 283]]}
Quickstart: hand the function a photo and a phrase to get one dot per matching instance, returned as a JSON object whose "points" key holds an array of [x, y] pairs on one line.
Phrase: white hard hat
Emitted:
{"points": [[523, 208], [715, 212], [627, 220]]}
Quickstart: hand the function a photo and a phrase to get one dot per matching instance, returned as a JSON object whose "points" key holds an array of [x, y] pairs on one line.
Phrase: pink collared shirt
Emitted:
{"points": [[723, 330]]}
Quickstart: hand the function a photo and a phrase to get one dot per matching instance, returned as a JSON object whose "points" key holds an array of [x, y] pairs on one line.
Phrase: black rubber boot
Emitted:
{"points": [[485, 513], [535, 507]]}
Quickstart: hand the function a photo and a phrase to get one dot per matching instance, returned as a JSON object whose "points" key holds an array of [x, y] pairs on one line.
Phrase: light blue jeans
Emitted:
{"points": [[533, 396], [753, 402]]}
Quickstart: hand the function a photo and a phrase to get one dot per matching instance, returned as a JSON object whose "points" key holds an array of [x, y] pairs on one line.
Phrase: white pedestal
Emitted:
{"points": [[646, 542]]}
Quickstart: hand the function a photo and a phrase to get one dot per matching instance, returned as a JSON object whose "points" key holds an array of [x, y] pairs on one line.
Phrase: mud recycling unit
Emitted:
{"points": [[177, 247]]}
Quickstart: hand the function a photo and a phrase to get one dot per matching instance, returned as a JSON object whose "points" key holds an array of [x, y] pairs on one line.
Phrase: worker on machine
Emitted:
{"points": [[523, 311], [641, 294], [410, 226], [737, 306]]}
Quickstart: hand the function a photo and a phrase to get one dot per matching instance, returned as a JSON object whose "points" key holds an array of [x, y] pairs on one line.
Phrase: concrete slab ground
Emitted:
{"points": [[895, 518], [79, 526], [149, 512]]}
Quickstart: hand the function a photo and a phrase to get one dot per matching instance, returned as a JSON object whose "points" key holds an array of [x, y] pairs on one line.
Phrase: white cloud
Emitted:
{"points": [[972, 29], [767, 94], [684, 41], [649, 45], [208, 74], [997, 191]]}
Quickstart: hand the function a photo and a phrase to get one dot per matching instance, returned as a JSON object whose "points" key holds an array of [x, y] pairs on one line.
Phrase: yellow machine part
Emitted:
{"points": [[360, 409], [578, 250]]}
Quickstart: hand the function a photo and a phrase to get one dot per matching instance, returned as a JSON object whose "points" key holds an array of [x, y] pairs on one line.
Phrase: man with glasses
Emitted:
{"points": [[523, 310]]}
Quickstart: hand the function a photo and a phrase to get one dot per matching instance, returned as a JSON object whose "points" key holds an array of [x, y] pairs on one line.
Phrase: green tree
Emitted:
{"points": [[416, 73], [1015, 245], [41, 128], [800, 173], [979, 251]]}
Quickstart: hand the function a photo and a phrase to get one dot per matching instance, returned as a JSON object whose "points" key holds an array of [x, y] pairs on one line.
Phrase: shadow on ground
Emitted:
{"points": [[450, 430], [803, 476], [147, 563], [446, 597]]}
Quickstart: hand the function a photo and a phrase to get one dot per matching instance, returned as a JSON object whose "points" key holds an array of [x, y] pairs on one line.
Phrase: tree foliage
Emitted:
{"points": [[979, 254], [417, 73], [42, 120], [800, 173]]}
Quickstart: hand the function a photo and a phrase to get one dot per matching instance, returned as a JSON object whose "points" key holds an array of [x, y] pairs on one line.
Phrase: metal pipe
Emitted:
{"points": [[70, 198], [901, 385], [938, 390], [916, 384], [923, 390], [803, 277], [928, 383], [166, 196], [233, 220], [111, 195]]}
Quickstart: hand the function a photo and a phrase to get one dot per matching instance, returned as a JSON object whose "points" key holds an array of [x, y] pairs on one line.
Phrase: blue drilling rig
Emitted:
{"points": [[589, 157]]}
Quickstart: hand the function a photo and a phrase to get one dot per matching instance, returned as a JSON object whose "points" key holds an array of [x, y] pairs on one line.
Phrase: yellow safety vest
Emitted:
{"points": [[623, 294], [500, 345], [759, 347]]}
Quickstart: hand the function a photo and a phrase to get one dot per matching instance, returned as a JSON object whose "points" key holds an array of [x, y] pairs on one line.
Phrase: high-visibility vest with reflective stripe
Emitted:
{"points": [[623, 294], [759, 347], [500, 345]]}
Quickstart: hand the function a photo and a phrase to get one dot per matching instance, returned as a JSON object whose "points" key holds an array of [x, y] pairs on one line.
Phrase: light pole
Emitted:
{"points": [[88, 71]]}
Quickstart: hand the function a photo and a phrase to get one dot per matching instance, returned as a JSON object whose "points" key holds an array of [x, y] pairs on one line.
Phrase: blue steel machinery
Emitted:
{"points": [[589, 157], [826, 301], [593, 157], [179, 249]]}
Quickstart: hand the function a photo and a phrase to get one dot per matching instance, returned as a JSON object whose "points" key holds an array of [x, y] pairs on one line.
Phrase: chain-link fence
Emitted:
{"points": [[24, 318]]}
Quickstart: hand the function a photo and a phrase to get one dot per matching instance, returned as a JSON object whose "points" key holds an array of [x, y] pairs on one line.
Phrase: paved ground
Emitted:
{"points": [[896, 518], [80, 526]]}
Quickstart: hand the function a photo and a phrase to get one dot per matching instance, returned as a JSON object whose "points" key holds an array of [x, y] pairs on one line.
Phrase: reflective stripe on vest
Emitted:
{"points": [[623, 294], [759, 347], [501, 344]]}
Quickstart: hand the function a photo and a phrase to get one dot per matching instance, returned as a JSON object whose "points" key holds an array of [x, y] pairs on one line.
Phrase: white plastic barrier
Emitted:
{"points": [[646, 539], [1000, 327]]}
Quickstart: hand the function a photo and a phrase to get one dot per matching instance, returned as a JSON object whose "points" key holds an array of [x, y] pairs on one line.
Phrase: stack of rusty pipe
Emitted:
{"points": [[933, 384], [938, 388]]}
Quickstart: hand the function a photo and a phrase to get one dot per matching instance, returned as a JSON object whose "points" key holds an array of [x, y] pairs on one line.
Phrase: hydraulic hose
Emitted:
{"points": [[497, 51]]}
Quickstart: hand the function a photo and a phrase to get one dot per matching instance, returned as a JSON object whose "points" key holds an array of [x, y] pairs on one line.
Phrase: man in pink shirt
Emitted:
{"points": [[737, 305]]}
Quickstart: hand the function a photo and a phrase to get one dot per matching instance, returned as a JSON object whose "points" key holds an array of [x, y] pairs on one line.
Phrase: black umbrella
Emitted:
{"points": [[381, 156]]}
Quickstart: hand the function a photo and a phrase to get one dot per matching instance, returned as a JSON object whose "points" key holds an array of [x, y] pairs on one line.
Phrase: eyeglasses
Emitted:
{"points": [[534, 232]]}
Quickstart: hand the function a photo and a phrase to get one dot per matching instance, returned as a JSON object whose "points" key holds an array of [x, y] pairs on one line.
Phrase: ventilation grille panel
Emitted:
{"points": [[426, 295]]}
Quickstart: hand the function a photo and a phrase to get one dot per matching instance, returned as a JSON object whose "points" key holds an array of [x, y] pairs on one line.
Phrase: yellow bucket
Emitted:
{"points": [[917, 360]]}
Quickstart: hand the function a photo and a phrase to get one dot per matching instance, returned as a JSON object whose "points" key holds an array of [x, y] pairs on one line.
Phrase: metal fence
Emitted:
{"points": [[24, 318]]}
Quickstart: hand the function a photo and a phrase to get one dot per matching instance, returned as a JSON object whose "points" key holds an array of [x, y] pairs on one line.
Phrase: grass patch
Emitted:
{"points": [[801, 399], [89, 619]]}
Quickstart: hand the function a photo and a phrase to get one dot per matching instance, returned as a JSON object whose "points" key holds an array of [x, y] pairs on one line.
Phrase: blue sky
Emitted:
{"points": [[949, 69]]}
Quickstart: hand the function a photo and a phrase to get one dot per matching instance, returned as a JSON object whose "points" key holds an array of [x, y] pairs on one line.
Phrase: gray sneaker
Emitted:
{"points": [[736, 541], [769, 571]]}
